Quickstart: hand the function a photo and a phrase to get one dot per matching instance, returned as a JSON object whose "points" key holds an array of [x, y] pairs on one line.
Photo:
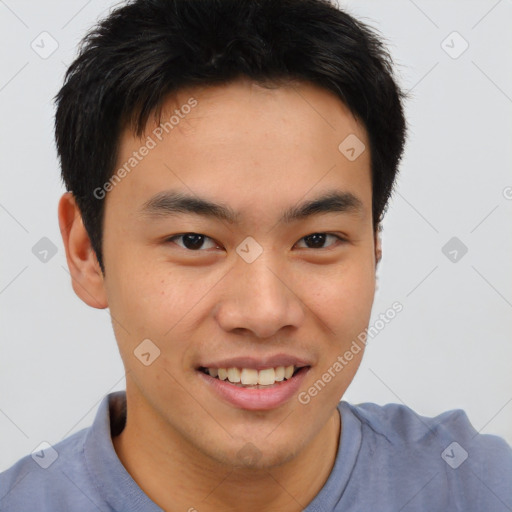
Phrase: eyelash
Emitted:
{"points": [[339, 238]]}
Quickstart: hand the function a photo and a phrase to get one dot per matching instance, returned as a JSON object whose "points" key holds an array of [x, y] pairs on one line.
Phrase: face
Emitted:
{"points": [[258, 282]]}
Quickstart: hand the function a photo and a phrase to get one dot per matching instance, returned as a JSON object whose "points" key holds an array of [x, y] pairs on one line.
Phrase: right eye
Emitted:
{"points": [[191, 241]]}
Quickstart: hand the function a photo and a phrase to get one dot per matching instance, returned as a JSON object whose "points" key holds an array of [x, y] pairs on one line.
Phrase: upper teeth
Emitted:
{"points": [[250, 376]]}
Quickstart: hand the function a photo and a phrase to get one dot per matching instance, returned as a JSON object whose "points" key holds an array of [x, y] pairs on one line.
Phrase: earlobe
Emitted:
{"points": [[86, 276], [378, 248]]}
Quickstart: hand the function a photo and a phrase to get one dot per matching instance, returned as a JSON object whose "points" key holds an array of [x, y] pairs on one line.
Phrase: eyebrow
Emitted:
{"points": [[170, 203]]}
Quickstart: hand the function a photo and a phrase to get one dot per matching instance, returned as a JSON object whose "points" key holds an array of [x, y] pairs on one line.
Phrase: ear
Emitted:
{"points": [[378, 247], [86, 275]]}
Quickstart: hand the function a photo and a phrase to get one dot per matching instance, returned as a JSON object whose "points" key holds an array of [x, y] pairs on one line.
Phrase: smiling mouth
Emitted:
{"points": [[251, 378]]}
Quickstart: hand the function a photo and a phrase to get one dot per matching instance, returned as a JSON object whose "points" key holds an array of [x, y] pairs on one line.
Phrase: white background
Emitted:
{"points": [[450, 347]]}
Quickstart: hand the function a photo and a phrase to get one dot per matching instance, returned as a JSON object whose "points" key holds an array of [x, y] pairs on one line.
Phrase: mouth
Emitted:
{"points": [[250, 378], [262, 388]]}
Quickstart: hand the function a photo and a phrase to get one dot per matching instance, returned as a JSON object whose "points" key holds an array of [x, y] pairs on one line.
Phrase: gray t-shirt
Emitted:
{"points": [[389, 459]]}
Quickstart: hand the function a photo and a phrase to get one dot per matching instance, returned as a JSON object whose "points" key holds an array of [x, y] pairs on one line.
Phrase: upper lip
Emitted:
{"points": [[257, 363]]}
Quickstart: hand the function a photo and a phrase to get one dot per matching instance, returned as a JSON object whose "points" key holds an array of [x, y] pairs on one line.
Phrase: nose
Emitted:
{"points": [[258, 299]]}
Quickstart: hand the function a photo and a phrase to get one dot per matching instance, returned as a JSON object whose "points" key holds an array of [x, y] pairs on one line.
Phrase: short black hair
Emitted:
{"points": [[145, 50]]}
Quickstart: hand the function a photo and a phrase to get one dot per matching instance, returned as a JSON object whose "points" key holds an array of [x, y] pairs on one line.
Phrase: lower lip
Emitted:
{"points": [[254, 399]]}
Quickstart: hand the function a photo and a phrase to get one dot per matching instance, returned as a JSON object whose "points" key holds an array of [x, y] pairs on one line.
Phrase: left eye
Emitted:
{"points": [[192, 241], [317, 240]]}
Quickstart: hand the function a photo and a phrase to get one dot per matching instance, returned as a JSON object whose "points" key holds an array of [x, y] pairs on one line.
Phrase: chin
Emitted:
{"points": [[257, 456]]}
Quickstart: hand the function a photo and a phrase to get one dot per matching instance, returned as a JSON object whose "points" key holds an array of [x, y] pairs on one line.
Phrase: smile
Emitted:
{"points": [[251, 389], [250, 377]]}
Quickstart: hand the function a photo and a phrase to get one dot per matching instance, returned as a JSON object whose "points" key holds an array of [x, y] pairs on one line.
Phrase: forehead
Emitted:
{"points": [[247, 144]]}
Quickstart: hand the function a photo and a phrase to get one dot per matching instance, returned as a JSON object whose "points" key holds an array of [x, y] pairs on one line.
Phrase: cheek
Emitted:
{"points": [[138, 301], [343, 297], [159, 302]]}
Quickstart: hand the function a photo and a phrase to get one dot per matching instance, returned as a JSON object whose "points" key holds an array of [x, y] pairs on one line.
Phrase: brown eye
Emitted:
{"points": [[317, 240], [192, 241]]}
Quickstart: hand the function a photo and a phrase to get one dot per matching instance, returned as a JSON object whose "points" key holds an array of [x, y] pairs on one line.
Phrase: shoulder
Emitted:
{"points": [[32, 482], [462, 463], [402, 425]]}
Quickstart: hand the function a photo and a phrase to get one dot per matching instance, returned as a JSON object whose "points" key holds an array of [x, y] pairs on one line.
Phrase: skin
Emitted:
{"points": [[259, 152]]}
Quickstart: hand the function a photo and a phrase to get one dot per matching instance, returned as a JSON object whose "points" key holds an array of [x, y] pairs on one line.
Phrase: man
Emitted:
{"points": [[228, 164]]}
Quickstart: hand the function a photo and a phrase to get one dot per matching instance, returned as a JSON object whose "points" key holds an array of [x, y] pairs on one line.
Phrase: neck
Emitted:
{"points": [[188, 480]]}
